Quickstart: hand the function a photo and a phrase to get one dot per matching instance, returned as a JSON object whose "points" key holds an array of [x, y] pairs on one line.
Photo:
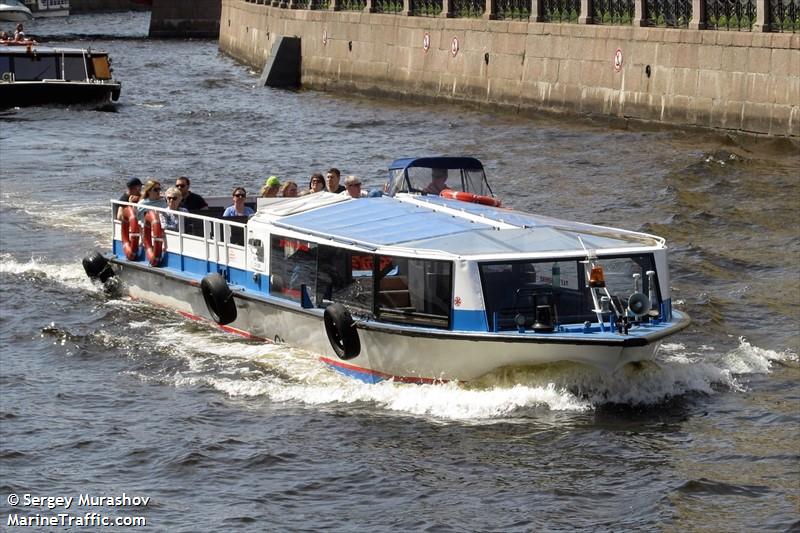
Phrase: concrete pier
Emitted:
{"points": [[738, 81]]}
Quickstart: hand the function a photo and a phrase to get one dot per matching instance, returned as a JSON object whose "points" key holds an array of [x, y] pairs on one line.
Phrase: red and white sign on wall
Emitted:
{"points": [[618, 60], [454, 47], [324, 37], [426, 41]]}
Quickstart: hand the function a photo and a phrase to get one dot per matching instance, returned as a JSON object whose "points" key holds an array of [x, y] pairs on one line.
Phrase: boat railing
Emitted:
{"points": [[199, 237]]}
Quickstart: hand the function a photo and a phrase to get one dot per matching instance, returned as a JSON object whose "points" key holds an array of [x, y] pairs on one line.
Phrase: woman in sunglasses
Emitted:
{"points": [[238, 209], [168, 220], [317, 183], [151, 195]]}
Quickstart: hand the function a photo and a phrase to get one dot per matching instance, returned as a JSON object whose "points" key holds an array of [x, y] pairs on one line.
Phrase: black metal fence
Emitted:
{"points": [[513, 9], [668, 13], [730, 15], [737, 15], [426, 8], [387, 6], [467, 8], [561, 10], [618, 12], [352, 5], [783, 15]]}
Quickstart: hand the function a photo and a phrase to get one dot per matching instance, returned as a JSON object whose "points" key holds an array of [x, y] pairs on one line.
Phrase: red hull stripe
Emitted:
{"points": [[229, 329]]}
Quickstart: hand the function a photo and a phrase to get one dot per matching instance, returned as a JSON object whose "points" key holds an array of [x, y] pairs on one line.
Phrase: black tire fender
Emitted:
{"points": [[97, 267], [342, 332], [219, 299]]}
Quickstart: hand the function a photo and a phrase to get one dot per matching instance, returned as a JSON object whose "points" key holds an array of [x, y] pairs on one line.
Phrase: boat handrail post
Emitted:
{"points": [[216, 236], [180, 239], [226, 236], [206, 237]]}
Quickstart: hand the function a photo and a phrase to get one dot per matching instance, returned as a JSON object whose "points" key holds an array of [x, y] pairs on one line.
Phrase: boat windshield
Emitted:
{"points": [[427, 180], [512, 288]]}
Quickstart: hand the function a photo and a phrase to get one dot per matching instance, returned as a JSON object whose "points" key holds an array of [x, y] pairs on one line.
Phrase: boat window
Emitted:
{"points": [[517, 287], [5, 64], [433, 180], [293, 263], [257, 249], [100, 68], [475, 182], [74, 68], [414, 291], [345, 277], [31, 68]]}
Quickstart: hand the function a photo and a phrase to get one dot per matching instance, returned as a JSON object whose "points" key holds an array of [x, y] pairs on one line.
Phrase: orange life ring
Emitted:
{"points": [[469, 197], [130, 234], [153, 238]]}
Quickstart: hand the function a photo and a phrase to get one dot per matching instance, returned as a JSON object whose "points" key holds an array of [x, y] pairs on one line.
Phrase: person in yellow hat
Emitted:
{"points": [[271, 187]]}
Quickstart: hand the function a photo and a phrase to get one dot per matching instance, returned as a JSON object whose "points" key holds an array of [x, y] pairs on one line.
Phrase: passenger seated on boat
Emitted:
{"points": [[3, 36], [352, 187], [238, 209], [289, 190], [270, 188], [189, 200], [132, 188], [438, 179], [151, 196], [168, 220], [332, 178], [19, 35], [317, 183]]}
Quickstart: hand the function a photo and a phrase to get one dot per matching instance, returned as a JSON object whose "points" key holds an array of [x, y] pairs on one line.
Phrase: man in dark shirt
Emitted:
{"points": [[332, 181], [132, 188], [191, 201]]}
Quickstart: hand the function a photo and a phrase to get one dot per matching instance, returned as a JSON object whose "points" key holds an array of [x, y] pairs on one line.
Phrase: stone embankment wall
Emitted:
{"points": [[185, 18], [97, 6], [742, 81]]}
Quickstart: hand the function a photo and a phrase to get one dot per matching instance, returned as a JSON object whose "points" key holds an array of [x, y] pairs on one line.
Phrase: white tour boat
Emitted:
{"points": [[412, 286]]}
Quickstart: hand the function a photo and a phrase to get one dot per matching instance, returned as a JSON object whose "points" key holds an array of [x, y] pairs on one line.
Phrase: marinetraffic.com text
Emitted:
{"points": [[85, 510]]}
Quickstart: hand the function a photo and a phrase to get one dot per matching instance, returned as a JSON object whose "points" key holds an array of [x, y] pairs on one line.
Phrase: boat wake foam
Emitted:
{"points": [[88, 219], [292, 377], [70, 275]]}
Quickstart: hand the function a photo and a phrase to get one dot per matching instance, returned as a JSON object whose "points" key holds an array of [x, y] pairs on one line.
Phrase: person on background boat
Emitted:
{"points": [[353, 187], [151, 196], [189, 200], [332, 181], [317, 183], [168, 220], [238, 209], [19, 35], [132, 188], [289, 190], [3, 36], [271, 187], [438, 179]]}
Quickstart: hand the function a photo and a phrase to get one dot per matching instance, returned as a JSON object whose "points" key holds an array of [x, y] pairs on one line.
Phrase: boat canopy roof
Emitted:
{"points": [[22, 49], [443, 226], [469, 163]]}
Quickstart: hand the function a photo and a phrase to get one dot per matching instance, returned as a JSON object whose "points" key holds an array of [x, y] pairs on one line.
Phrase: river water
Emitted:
{"points": [[104, 396]]}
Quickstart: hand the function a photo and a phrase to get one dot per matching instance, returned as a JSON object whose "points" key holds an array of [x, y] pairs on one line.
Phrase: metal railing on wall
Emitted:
{"points": [[727, 15]]}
